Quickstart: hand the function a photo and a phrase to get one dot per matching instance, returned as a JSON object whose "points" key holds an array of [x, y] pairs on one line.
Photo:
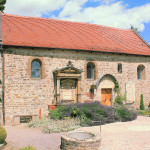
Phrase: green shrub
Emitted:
{"points": [[57, 113], [143, 112], [94, 113], [87, 112], [3, 135], [28, 148], [120, 99], [125, 114], [142, 107]]}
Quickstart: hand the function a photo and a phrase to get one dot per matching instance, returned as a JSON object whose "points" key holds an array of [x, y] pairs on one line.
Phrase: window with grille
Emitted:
{"points": [[36, 69], [141, 72], [90, 70]]}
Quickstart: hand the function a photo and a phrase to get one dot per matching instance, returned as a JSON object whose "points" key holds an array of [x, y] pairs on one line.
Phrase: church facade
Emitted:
{"points": [[48, 62]]}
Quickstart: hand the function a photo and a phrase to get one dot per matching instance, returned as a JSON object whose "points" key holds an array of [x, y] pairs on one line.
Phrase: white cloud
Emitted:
{"points": [[108, 12], [72, 7], [114, 14], [32, 7]]}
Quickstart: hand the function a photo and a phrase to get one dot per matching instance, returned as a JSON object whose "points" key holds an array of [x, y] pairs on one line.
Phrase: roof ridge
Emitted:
{"points": [[52, 19]]}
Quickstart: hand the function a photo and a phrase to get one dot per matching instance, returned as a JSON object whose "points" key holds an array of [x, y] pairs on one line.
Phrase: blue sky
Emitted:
{"points": [[114, 13]]}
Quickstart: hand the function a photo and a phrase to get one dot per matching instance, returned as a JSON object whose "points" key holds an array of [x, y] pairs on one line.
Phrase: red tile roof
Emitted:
{"points": [[51, 33]]}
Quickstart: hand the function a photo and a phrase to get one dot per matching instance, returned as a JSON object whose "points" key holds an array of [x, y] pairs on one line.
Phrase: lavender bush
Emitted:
{"points": [[93, 113]]}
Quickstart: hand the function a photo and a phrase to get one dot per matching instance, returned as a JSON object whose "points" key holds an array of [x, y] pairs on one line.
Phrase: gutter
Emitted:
{"points": [[2, 56]]}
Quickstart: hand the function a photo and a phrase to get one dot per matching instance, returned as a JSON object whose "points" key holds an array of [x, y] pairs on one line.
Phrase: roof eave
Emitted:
{"points": [[52, 48]]}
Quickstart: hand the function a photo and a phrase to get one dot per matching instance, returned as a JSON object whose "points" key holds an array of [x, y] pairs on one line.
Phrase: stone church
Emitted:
{"points": [[46, 62]]}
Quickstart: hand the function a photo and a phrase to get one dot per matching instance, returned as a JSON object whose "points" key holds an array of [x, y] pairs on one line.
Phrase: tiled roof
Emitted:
{"points": [[51, 33]]}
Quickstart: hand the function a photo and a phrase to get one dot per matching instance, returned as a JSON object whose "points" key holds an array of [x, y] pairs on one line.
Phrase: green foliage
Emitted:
{"points": [[144, 112], [50, 125], [28, 148], [94, 113], [0, 100], [120, 99], [134, 28], [125, 114], [75, 112], [3, 135], [87, 112], [2, 3], [56, 113], [117, 88], [142, 107]]}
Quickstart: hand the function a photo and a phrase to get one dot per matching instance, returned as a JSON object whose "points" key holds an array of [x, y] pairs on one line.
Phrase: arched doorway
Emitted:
{"points": [[105, 86]]}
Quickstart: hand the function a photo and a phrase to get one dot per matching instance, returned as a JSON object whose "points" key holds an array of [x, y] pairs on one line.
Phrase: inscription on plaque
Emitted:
{"points": [[130, 91], [67, 94], [67, 87]]}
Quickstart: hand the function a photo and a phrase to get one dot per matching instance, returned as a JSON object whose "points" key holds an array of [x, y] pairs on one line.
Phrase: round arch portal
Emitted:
{"points": [[105, 86]]}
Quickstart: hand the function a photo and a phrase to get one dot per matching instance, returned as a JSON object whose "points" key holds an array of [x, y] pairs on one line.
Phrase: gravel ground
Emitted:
{"points": [[134, 135]]}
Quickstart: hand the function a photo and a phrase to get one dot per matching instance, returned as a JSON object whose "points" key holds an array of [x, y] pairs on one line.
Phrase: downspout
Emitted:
{"points": [[3, 102], [2, 55]]}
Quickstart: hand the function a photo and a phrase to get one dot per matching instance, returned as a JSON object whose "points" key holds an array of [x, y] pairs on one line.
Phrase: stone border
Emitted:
{"points": [[68, 143]]}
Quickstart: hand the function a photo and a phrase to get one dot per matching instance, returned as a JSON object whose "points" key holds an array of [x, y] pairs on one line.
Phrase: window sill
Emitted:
{"points": [[91, 79], [36, 78]]}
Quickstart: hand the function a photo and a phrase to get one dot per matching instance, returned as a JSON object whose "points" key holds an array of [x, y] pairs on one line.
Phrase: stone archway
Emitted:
{"points": [[105, 86]]}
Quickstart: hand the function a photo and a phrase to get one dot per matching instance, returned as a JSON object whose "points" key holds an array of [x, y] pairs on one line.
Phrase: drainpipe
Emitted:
{"points": [[3, 106], [2, 56]]}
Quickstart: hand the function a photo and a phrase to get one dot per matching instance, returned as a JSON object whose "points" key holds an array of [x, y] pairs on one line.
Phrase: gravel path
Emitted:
{"points": [[134, 135]]}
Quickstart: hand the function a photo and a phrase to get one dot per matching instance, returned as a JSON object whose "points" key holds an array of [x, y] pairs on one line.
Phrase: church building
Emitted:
{"points": [[48, 62]]}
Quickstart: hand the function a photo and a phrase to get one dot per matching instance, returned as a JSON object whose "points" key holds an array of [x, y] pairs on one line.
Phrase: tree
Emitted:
{"points": [[2, 3], [135, 29], [142, 107]]}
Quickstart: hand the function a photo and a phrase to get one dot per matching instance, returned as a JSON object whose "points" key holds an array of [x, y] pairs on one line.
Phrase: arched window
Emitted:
{"points": [[119, 68], [36, 69], [141, 72], [90, 70]]}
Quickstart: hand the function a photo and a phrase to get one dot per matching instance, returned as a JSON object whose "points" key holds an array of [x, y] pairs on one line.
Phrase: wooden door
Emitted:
{"points": [[106, 97]]}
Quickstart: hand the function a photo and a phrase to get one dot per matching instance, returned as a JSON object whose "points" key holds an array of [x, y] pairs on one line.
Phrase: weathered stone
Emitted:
{"points": [[26, 96]]}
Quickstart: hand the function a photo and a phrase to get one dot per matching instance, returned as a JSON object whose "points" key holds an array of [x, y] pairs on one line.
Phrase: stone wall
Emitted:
{"points": [[26, 96]]}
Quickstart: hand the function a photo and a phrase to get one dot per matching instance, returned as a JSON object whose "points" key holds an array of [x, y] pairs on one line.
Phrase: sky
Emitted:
{"points": [[114, 13]]}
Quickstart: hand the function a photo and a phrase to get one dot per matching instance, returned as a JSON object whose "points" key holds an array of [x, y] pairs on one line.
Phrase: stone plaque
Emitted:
{"points": [[130, 91], [67, 94]]}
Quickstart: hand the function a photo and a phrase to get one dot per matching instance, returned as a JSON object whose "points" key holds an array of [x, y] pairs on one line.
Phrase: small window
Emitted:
{"points": [[90, 70], [36, 69], [141, 72], [119, 68]]}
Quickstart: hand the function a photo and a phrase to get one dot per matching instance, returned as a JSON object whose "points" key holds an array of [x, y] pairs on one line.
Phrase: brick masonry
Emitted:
{"points": [[25, 96]]}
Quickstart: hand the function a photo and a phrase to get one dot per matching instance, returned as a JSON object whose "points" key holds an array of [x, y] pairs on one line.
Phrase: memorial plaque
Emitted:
{"points": [[130, 91], [67, 94], [67, 86]]}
